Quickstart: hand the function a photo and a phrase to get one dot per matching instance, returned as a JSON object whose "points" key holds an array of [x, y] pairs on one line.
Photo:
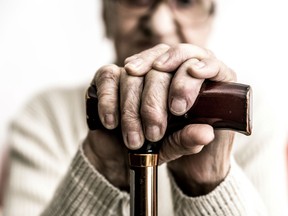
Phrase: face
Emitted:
{"points": [[136, 25]]}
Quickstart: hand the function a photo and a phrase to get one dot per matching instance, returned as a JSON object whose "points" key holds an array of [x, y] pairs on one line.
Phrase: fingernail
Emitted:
{"points": [[178, 106], [199, 65], [133, 139], [152, 133], [109, 121], [162, 59]]}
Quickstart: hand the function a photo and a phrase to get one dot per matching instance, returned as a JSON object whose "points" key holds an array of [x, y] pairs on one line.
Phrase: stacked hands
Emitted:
{"points": [[152, 82]]}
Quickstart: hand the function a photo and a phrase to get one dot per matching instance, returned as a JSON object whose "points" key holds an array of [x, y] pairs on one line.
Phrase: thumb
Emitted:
{"points": [[190, 140]]}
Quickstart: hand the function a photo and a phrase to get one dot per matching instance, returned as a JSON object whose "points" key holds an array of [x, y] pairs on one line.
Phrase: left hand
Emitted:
{"points": [[197, 156]]}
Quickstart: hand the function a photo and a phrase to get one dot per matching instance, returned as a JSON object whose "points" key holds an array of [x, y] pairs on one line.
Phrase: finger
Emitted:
{"points": [[211, 68], [187, 141], [130, 95], [106, 81], [141, 63], [154, 104], [184, 90], [175, 56]]}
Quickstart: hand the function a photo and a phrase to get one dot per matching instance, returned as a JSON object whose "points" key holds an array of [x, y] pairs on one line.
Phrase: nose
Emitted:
{"points": [[162, 19], [160, 22]]}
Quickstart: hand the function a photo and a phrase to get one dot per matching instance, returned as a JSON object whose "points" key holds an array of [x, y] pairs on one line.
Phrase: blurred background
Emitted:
{"points": [[45, 44], [49, 43]]}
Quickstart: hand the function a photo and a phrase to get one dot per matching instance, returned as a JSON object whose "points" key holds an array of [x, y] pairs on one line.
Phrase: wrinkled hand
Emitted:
{"points": [[152, 82]]}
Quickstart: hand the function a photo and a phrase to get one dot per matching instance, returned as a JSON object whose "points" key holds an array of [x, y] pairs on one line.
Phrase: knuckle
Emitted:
{"points": [[130, 108], [179, 53], [107, 73], [179, 85], [129, 116], [152, 114], [129, 119], [177, 49], [133, 83], [161, 47], [180, 88], [106, 99], [156, 51], [159, 82], [106, 80]]}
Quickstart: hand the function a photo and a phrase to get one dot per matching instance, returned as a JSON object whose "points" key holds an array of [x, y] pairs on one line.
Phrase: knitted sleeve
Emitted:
{"points": [[47, 173], [43, 139], [235, 196], [84, 191]]}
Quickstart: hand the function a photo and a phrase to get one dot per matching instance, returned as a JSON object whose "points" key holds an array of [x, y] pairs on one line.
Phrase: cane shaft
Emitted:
{"points": [[143, 184]]}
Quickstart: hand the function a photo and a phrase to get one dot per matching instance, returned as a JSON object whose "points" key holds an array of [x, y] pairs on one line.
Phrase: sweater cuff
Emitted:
{"points": [[233, 196], [84, 191]]}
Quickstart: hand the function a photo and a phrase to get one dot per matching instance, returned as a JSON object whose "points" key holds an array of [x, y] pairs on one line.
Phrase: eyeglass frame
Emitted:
{"points": [[210, 11]]}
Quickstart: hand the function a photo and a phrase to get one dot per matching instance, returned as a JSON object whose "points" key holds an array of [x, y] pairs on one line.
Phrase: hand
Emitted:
{"points": [[143, 107], [199, 157], [105, 149]]}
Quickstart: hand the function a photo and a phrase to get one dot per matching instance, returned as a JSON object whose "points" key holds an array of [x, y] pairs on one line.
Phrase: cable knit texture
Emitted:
{"points": [[85, 192], [231, 197]]}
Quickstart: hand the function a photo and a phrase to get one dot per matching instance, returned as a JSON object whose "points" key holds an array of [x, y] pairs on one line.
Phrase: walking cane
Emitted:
{"points": [[223, 105]]}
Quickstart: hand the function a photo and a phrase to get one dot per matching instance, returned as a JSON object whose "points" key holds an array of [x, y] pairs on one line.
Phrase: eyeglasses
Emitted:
{"points": [[191, 12]]}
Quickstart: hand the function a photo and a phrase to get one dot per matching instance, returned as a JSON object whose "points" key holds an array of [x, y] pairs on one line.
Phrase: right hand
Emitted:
{"points": [[107, 149]]}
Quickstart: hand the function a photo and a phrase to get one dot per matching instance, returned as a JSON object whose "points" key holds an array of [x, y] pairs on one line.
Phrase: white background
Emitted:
{"points": [[45, 44], [61, 42]]}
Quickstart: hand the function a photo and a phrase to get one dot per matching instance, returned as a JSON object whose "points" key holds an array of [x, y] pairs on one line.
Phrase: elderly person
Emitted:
{"points": [[161, 63]]}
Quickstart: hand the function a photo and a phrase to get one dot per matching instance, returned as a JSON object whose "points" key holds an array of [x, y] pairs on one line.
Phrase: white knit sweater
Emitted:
{"points": [[50, 174]]}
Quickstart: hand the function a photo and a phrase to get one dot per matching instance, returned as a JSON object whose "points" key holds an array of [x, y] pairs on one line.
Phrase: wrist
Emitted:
{"points": [[192, 188], [116, 173], [198, 184]]}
